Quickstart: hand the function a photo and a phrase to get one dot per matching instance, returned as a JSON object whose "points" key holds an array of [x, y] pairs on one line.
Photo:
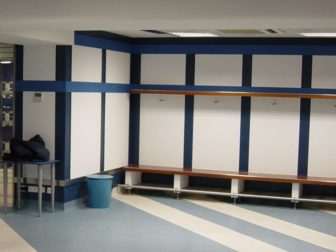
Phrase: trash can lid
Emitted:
{"points": [[99, 176]]}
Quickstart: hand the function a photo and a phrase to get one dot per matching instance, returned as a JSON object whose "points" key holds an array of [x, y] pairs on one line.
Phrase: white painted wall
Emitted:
{"points": [[276, 71], [218, 70], [324, 72], [86, 64], [163, 69], [322, 139], [161, 130], [116, 130], [85, 134], [216, 133], [39, 62], [274, 135], [39, 118], [117, 67]]}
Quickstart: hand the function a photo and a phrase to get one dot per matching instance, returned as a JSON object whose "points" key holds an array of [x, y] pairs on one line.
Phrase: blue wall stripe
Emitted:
{"points": [[63, 113], [102, 126], [18, 95], [134, 114], [304, 117], [245, 115], [189, 113]]}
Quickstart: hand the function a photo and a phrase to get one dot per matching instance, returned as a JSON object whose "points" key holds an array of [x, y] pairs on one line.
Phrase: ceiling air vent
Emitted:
{"points": [[155, 31], [274, 31], [241, 32]]}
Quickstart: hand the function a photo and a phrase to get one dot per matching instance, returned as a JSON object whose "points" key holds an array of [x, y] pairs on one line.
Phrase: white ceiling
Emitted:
{"points": [[53, 21]]}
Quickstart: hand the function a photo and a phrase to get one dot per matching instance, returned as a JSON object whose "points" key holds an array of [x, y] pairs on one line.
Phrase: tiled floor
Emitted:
{"points": [[157, 222]]}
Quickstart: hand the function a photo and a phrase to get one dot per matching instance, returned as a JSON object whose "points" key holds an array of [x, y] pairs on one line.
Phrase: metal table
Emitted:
{"points": [[18, 164]]}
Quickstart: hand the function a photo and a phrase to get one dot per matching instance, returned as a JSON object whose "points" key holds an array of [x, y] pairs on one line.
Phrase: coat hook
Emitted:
{"points": [[161, 100], [274, 103]]}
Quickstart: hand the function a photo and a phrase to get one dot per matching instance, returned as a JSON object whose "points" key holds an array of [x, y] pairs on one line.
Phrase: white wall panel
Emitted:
{"points": [[39, 62], [86, 64], [324, 72], [85, 134], [39, 118], [274, 135], [116, 130], [218, 70], [276, 71], [162, 130], [322, 139], [117, 67], [163, 69], [216, 133]]}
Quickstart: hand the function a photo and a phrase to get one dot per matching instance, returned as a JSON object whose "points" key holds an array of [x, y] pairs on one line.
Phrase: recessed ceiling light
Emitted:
{"points": [[319, 34], [5, 61], [194, 34]]}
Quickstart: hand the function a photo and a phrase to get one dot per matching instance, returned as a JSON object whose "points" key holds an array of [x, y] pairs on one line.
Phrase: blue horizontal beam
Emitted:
{"points": [[70, 86], [235, 49], [237, 89], [92, 87], [42, 86], [98, 87], [102, 43], [277, 46]]}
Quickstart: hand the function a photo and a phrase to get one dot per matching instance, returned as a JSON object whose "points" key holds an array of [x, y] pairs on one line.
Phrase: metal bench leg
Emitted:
{"points": [[52, 170], [235, 200], [39, 190], [295, 204], [5, 181], [18, 184]]}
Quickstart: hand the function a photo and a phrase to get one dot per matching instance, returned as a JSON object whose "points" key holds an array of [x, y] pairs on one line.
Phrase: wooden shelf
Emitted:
{"points": [[234, 93], [310, 180]]}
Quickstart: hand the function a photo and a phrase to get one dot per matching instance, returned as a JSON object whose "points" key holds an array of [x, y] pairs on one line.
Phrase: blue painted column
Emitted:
{"points": [[304, 117], [103, 103], [245, 115], [189, 113], [63, 114], [134, 123], [18, 95]]}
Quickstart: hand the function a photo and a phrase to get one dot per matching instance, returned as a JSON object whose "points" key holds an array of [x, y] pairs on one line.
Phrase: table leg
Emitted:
{"points": [[5, 181], [39, 190], [18, 185], [52, 168]]}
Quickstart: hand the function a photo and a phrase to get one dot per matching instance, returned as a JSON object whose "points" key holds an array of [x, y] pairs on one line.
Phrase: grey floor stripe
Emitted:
{"points": [[280, 240], [310, 218], [120, 228]]}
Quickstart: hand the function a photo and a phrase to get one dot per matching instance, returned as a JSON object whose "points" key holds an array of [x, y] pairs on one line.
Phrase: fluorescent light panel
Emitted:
{"points": [[5, 61], [319, 34], [193, 34]]}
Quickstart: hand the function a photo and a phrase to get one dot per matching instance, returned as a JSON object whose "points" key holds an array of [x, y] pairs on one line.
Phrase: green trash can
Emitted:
{"points": [[99, 190]]}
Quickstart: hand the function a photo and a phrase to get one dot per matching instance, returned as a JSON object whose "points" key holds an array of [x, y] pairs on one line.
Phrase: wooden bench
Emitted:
{"points": [[133, 174]]}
